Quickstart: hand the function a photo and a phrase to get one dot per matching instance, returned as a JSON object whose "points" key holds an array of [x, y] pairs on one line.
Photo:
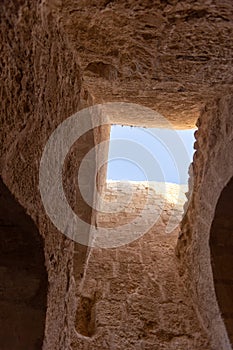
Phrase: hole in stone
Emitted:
{"points": [[23, 277], [85, 317], [221, 246], [147, 154]]}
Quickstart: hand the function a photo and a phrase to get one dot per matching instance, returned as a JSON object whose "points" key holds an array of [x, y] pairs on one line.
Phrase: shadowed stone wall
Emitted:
{"points": [[221, 244], [38, 73], [212, 169], [24, 280]]}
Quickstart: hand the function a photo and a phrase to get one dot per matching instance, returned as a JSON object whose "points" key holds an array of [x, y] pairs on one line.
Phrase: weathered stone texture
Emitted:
{"points": [[38, 73], [172, 56], [213, 169], [131, 297]]}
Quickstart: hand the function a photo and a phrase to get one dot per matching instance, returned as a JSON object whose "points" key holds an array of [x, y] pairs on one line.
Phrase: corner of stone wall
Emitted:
{"points": [[212, 169]]}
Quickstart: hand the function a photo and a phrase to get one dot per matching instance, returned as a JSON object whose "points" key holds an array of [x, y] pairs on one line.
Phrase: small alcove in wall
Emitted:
{"points": [[23, 276], [221, 246]]}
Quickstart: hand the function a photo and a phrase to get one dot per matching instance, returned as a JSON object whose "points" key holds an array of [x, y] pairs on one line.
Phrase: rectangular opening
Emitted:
{"points": [[150, 154]]}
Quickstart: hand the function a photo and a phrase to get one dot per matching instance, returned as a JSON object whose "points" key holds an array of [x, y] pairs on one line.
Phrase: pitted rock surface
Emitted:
{"points": [[171, 56]]}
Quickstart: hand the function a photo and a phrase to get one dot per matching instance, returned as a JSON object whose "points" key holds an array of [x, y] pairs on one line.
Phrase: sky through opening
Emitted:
{"points": [[144, 154]]}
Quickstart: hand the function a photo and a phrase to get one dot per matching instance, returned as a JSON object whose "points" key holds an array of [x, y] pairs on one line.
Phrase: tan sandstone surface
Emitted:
{"points": [[131, 297], [171, 56], [58, 57]]}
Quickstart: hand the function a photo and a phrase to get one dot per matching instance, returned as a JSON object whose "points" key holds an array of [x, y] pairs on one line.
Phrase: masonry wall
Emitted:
{"points": [[131, 296]]}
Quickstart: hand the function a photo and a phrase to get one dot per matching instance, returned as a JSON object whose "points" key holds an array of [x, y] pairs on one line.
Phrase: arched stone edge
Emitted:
{"points": [[212, 170]]}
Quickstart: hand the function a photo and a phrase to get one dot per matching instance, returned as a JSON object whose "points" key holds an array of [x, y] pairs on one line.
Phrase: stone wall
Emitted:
{"points": [[131, 296], [172, 56], [38, 71], [213, 169], [58, 57]]}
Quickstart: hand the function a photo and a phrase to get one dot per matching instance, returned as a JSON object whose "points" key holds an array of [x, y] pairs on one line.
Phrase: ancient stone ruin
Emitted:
{"points": [[159, 290]]}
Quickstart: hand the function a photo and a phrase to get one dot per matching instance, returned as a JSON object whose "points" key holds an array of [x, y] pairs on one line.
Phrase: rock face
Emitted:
{"points": [[131, 297], [171, 56], [34, 80], [207, 223], [58, 57]]}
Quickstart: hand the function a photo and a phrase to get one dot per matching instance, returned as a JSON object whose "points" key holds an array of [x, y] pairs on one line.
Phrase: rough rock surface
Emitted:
{"points": [[131, 297], [173, 56], [203, 227], [34, 81]]}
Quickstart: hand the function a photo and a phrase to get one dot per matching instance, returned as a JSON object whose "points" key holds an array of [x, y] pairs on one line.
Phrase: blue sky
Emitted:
{"points": [[141, 154]]}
